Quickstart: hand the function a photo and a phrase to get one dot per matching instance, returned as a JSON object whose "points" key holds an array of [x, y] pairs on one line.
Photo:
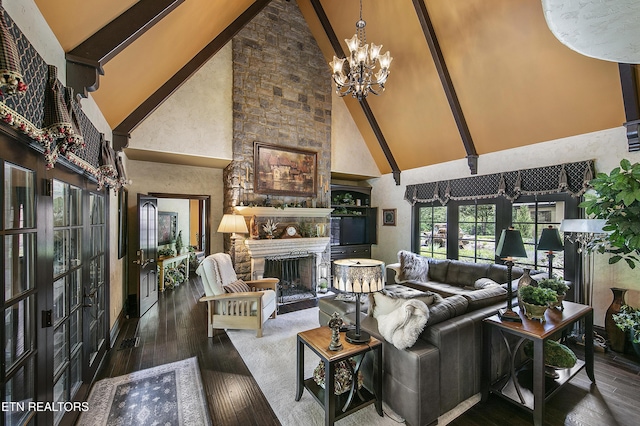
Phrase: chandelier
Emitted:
{"points": [[361, 80]]}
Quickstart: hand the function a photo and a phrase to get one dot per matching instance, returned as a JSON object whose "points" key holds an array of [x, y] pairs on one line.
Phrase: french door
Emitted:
{"points": [[54, 232]]}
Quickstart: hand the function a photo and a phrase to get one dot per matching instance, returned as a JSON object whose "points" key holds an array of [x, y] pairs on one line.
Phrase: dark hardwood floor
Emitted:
{"points": [[175, 329]]}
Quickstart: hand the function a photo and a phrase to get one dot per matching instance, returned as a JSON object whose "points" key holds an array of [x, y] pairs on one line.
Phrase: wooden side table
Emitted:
{"points": [[171, 262], [338, 406], [526, 388]]}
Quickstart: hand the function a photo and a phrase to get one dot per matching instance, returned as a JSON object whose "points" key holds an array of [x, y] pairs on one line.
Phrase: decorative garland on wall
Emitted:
{"points": [[56, 121], [571, 178]]}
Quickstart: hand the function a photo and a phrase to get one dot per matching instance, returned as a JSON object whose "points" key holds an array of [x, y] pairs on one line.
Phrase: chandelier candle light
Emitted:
{"points": [[358, 276], [362, 64]]}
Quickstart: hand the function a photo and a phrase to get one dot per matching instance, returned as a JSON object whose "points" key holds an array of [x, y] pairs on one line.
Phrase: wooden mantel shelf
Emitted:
{"points": [[286, 212]]}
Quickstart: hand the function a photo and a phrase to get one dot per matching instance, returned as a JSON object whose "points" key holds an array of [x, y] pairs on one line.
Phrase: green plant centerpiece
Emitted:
{"points": [[536, 300], [617, 200], [559, 287], [165, 252]]}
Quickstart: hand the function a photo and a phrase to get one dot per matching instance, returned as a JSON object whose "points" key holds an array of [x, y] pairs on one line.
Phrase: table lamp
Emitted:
{"points": [[509, 246], [358, 276], [550, 241], [233, 224]]}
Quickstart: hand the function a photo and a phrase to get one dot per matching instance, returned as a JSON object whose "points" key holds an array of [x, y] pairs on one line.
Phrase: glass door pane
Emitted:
{"points": [[67, 299], [18, 232], [95, 292]]}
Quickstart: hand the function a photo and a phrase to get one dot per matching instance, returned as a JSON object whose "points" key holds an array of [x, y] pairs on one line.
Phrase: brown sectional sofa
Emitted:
{"points": [[443, 368]]}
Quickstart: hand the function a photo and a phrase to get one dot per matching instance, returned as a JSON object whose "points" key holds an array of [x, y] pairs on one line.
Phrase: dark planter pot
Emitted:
{"points": [[636, 346], [616, 336]]}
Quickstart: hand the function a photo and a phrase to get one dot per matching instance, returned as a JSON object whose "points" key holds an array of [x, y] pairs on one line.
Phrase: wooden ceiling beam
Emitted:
{"points": [[85, 62], [447, 84], [337, 48], [122, 132], [630, 96]]}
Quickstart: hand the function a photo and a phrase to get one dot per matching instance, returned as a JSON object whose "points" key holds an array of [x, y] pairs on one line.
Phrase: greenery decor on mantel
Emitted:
{"points": [[283, 212], [617, 200]]}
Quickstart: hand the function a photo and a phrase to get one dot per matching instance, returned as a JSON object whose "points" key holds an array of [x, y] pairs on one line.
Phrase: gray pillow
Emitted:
{"points": [[412, 266]]}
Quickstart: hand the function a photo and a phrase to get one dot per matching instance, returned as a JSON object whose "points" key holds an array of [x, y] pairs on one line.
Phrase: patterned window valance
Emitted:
{"points": [[571, 178]]}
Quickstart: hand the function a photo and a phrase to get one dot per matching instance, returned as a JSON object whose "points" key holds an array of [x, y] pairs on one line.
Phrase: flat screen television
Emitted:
{"points": [[347, 230]]}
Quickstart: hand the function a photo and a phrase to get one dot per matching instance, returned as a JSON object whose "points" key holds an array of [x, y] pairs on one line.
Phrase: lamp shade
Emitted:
{"points": [[510, 244], [358, 275], [583, 226], [550, 240], [232, 223]]}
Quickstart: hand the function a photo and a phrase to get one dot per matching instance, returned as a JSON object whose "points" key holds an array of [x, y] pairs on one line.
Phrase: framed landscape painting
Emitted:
{"points": [[167, 224], [284, 170]]}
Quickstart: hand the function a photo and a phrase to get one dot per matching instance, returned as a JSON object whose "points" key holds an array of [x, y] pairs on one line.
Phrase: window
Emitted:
{"points": [[477, 233], [530, 218], [433, 231], [479, 225]]}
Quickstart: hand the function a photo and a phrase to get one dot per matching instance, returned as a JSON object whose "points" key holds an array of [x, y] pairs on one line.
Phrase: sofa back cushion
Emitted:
{"points": [[486, 297], [498, 273], [446, 308], [438, 269], [465, 274]]}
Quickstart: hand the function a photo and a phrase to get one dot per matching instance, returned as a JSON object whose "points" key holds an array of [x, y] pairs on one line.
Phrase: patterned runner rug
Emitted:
{"points": [[170, 394]]}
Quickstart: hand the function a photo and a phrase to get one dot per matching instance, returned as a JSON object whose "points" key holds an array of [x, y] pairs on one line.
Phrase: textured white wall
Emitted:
{"points": [[606, 147], [349, 152], [198, 118]]}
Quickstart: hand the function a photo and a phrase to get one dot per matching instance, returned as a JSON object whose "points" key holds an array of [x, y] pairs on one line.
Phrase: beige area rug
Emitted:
{"points": [[272, 361]]}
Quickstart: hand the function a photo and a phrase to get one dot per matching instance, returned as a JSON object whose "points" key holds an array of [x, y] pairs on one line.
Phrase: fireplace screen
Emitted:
{"points": [[296, 274]]}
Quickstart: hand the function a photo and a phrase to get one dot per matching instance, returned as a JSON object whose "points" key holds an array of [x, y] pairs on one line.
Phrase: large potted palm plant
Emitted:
{"points": [[617, 200]]}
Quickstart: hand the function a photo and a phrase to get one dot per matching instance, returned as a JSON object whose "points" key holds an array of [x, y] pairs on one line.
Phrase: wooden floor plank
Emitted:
{"points": [[175, 328]]}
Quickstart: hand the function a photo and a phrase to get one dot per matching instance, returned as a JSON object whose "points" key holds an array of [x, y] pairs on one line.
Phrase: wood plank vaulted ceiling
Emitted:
{"points": [[515, 83]]}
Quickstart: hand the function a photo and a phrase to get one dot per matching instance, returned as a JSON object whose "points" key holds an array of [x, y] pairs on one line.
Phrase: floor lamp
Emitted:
{"points": [[586, 233], [233, 224]]}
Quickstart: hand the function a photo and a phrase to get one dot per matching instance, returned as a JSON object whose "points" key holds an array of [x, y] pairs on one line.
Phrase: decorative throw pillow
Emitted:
{"points": [[237, 286], [484, 283], [413, 267]]}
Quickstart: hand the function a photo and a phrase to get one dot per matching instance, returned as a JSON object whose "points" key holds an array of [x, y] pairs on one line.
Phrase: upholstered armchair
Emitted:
{"points": [[239, 310]]}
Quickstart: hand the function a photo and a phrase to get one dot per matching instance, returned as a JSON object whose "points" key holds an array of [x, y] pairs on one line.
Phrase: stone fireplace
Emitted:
{"points": [[295, 261]]}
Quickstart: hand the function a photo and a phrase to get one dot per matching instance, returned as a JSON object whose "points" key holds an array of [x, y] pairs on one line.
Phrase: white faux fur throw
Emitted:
{"points": [[402, 326]]}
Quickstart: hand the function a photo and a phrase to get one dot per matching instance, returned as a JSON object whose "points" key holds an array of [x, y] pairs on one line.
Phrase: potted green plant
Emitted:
{"points": [[535, 300], [617, 200], [628, 320], [558, 286]]}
